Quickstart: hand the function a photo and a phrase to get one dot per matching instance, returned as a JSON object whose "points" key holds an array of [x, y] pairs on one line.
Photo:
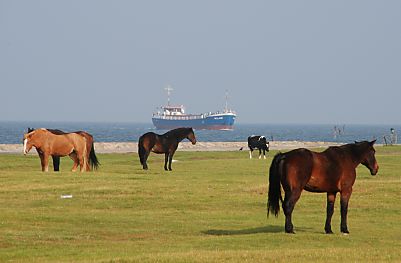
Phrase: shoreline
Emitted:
{"points": [[132, 147]]}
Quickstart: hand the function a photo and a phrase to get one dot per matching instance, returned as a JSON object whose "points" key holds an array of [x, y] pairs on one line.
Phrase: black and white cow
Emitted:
{"points": [[260, 143]]}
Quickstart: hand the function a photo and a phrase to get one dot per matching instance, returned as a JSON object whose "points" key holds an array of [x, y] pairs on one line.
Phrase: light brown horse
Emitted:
{"points": [[90, 150], [48, 144]]}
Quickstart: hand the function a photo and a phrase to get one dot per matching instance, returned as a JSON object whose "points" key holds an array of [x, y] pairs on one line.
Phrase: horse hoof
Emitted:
{"points": [[329, 232]]}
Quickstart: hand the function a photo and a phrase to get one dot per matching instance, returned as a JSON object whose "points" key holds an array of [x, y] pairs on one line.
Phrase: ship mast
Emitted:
{"points": [[226, 107], [169, 89]]}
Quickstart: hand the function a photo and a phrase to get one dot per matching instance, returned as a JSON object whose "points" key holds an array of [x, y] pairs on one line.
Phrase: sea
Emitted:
{"points": [[12, 132]]}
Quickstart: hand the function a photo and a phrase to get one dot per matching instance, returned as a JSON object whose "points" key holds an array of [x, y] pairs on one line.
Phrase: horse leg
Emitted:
{"points": [[82, 163], [170, 159], [87, 159], [45, 163], [331, 198], [145, 158], [250, 153], [74, 157], [42, 161], [264, 154], [288, 206], [260, 153], [56, 163], [345, 196], [165, 160]]}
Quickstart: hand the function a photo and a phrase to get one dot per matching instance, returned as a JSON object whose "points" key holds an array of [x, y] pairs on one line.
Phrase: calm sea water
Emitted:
{"points": [[12, 132]]}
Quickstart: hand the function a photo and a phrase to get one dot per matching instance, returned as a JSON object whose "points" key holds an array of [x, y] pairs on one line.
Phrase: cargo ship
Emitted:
{"points": [[171, 117]]}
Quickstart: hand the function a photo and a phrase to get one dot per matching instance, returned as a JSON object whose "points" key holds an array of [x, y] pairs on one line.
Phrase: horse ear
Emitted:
{"points": [[373, 142]]}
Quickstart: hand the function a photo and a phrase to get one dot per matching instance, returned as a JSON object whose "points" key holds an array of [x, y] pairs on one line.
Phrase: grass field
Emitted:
{"points": [[210, 208]]}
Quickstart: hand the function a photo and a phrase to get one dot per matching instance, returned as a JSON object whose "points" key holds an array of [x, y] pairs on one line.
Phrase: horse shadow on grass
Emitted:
{"points": [[248, 231]]}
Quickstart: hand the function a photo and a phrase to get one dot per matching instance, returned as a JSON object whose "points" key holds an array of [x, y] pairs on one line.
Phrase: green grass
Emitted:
{"points": [[210, 208]]}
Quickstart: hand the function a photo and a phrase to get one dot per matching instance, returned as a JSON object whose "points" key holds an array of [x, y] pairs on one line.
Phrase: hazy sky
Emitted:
{"points": [[331, 62]]}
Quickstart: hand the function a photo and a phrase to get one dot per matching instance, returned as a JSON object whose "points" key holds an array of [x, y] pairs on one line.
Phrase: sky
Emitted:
{"points": [[292, 62]]}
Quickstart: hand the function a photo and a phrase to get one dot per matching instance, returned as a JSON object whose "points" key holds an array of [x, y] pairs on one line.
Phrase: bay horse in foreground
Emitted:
{"points": [[166, 143], [332, 171], [48, 144], [90, 150]]}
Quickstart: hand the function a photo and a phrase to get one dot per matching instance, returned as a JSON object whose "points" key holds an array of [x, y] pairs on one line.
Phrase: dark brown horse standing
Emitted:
{"points": [[90, 155], [331, 171], [166, 143]]}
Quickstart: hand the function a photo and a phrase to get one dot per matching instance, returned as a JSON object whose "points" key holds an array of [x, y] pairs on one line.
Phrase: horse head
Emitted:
{"points": [[369, 159], [191, 136], [28, 141], [31, 139]]}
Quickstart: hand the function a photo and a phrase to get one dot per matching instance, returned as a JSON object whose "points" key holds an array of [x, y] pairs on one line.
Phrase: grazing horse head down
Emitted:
{"points": [[332, 171], [260, 143], [48, 144], [166, 143]]}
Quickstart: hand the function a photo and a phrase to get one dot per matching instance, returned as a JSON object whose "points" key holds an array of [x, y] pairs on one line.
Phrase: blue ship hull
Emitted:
{"points": [[211, 122]]}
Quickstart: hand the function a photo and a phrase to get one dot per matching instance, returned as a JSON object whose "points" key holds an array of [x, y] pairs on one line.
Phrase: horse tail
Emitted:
{"points": [[141, 150], [274, 195], [93, 161]]}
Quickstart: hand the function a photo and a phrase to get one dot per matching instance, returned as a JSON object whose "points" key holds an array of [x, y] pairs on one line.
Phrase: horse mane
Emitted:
{"points": [[55, 131], [359, 145], [33, 130], [178, 132], [356, 149], [354, 145]]}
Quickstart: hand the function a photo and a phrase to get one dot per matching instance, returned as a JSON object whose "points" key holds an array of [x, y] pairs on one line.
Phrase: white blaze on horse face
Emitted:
{"points": [[25, 142]]}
